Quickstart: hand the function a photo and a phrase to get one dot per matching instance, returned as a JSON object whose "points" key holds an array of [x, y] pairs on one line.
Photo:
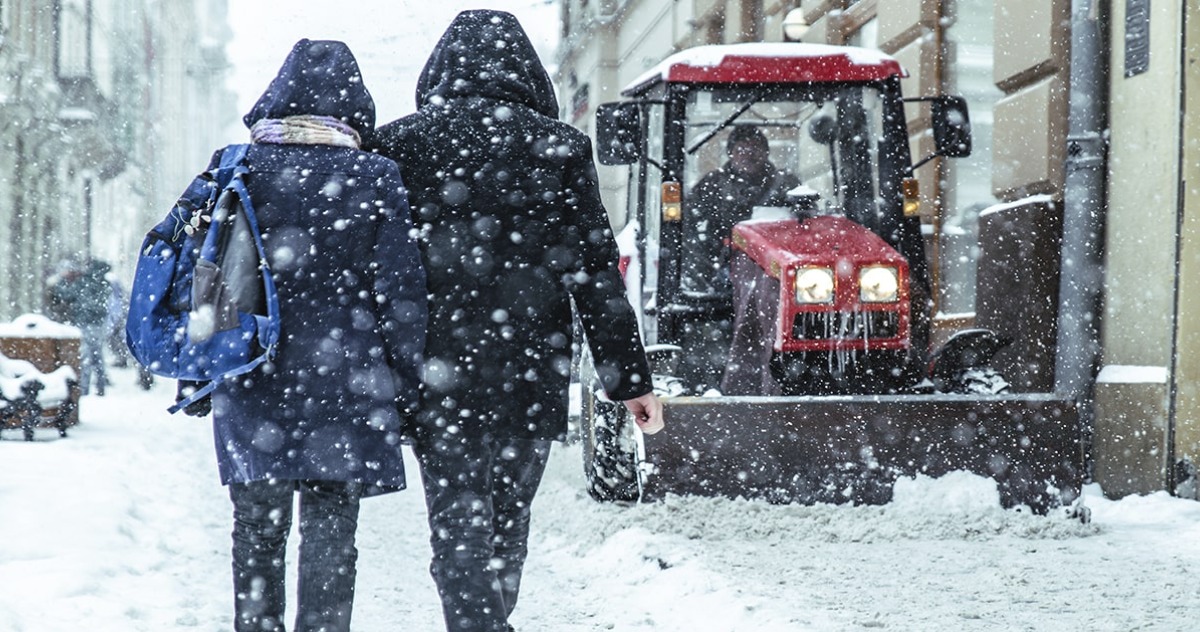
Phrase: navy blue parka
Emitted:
{"points": [[513, 235], [338, 235]]}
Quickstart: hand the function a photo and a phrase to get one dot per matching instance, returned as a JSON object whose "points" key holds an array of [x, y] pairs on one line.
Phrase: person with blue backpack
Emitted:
{"points": [[318, 409]]}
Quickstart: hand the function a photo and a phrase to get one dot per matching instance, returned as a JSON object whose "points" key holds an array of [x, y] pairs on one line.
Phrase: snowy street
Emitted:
{"points": [[123, 526]]}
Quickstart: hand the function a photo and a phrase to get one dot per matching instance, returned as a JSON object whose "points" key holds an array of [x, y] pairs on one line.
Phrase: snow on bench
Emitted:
{"points": [[25, 391], [15, 374]]}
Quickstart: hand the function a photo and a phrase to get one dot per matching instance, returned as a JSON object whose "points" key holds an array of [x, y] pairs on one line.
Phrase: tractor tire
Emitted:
{"points": [[980, 381], [610, 462], [610, 449]]}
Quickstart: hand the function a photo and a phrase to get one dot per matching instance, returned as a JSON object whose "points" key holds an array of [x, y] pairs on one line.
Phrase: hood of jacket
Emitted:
{"points": [[487, 54], [318, 78]]}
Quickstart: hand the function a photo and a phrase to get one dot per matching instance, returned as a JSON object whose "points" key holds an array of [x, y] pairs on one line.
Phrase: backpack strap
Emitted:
{"points": [[232, 161], [207, 389], [268, 336]]}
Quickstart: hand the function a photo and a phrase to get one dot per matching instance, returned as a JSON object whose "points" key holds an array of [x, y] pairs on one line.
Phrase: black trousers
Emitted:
{"points": [[478, 491], [262, 518]]}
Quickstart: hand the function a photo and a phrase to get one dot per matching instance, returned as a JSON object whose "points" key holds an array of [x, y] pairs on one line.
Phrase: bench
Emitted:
{"points": [[39, 362]]}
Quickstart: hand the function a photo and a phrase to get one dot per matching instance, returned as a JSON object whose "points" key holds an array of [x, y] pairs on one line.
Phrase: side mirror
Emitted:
{"points": [[823, 129], [951, 126], [618, 133]]}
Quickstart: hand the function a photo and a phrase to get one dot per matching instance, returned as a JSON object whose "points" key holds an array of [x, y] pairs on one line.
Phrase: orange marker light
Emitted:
{"points": [[672, 201], [911, 188]]}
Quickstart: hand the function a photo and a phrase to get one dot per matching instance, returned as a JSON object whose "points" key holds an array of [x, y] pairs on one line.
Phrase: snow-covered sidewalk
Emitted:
{"points": [[123, 526]]}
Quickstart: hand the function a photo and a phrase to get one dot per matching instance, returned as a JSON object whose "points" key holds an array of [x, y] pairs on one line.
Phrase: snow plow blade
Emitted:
{"points": [[852, 449]]}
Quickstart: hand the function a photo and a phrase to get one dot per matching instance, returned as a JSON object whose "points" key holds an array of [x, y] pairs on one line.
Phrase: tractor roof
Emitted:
{"points": [[776, 62]]}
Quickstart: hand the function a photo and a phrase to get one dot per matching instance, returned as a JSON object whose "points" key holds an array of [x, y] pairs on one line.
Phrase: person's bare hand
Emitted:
{"points": [[647, 412]]}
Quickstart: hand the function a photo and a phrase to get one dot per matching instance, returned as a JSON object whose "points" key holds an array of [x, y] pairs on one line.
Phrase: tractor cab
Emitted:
{"points": [[774, 254]]}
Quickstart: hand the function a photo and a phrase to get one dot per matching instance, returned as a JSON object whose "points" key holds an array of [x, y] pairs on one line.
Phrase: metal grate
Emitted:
{"points": [[845, 325]]}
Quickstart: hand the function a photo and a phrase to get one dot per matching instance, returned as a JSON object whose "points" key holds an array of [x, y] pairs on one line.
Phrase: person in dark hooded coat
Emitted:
{"points": [[324, 419], [512, 233], [84, 292]]}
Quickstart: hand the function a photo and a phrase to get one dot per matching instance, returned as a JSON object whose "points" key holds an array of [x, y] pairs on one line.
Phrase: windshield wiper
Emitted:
{"points": [[726, 123]]}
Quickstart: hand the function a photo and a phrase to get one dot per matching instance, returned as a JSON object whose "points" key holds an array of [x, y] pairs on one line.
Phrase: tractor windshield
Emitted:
{"points": [[748, 147], [827, 139]]}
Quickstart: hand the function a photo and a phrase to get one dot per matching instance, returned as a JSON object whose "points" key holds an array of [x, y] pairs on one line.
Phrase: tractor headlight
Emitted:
{"points": [[879, 284], [814, 285]]}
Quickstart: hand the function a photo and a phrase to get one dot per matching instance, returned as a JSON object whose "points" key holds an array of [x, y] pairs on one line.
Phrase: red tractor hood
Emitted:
{"points": [[781, 248], [825, 240]]}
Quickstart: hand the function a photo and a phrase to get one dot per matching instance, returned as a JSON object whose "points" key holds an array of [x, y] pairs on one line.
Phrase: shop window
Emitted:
{"points": [[968, 73], [74, 38], [867, 36], [4, 9]]}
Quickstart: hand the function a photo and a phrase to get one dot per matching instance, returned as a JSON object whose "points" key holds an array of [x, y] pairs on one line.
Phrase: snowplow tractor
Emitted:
{"points": [[775, 258]]}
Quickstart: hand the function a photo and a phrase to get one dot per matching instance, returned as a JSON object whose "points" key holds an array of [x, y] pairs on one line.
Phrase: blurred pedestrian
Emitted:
{"points": [[324, 418], [512, 233], [118, 311], [53, 306], [81, 295]]}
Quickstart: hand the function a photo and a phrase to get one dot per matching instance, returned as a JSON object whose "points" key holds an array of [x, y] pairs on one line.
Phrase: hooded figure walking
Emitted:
{"points": [[324, 419], [512, 233]]}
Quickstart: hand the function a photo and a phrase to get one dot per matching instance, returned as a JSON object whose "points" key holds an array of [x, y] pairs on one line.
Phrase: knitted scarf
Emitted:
{"points": [[305, 130]]}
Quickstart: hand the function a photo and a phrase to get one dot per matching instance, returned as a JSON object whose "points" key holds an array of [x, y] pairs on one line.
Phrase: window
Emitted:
{"points": [[74, 23], [813, 134], [652, 209], [867, 36], [970, 75], [4, 21]]}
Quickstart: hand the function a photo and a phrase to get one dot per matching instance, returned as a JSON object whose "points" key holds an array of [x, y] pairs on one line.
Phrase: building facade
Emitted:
{"points": [[106, 106], [1070, 227]]}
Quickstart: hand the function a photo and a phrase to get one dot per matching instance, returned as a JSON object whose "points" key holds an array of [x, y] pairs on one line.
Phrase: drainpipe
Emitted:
{"points": [[1179, 470], [1084, 207]]}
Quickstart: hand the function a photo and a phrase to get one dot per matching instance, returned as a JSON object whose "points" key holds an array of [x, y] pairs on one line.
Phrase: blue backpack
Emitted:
{"points": [[203, 305]]}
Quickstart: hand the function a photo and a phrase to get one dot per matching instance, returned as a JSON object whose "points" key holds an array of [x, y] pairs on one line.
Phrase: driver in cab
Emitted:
{"points": [[725, 196]]}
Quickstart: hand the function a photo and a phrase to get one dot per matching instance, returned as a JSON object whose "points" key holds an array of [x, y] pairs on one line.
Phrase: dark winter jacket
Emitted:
{"points": [[83, 296], [512, 232], [721, 199], [337, 231]]}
